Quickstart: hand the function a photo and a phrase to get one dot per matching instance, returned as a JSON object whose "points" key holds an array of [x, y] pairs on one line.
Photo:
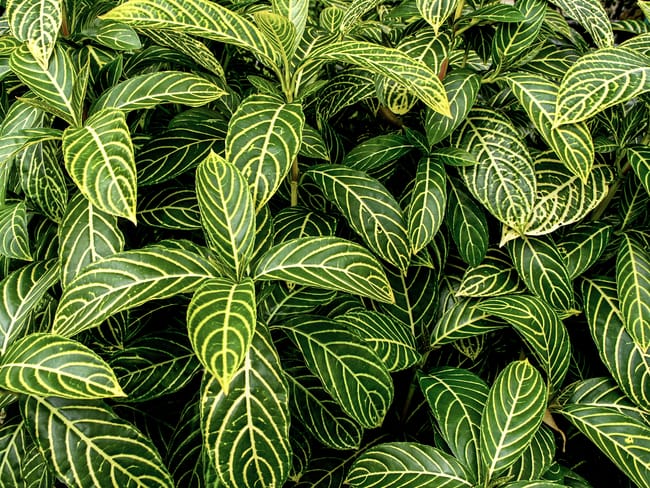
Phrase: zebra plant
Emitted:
{"points": [[323, 244]]}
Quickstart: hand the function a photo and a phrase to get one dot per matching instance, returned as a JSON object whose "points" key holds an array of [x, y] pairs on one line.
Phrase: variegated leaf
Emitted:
{"points": [[463, 320], [18, 140], [535, 460], [264, 137], [369, 208], [376, 153], [495, 276], [170, 208], [436, 13], [13, 445], [99, 158], [136, 277], [592, 17], [295, 222], [112, 34], [426, 209], [352, 15], [313, 145], [513, 412], [583, 245], [350, 370], [227, 213], [14, 242], [37, 23], [89, 445], [45, 364], [246, 432], [279, 32], [296, 11], [639, 158]]}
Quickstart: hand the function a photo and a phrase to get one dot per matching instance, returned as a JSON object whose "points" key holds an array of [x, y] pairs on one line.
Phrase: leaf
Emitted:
{"points": [[428, 201], [463, 320], [391, 340], [280, 33], [541, 329], [628, 364], [369, 208], [88, 445], [571, 142], [406, 465], [54, 85], [350, 370], [37, 23], [599, 80], [352, 16], [456, 398], [294, 222], [467, 224], [633, 288], [264, 137], [221, 324], [436, 13], [394, 65], [14, 232], [504, 178], [495, 276], [136, 277], [99, 158], [185, 453], [536, 459], [227, 213], [542, 268], [296, 11], [624, 440], [44, 364], [151, 89], [639, 158], [513, 413], [21, 290], [377, 152], [592, 17], [17, 141], [583, 245], [113, 35], [246, 432], [171, 208]]}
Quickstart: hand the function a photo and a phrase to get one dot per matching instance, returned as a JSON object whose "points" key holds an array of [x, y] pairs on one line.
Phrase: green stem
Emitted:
{"points": [[295, 175]]}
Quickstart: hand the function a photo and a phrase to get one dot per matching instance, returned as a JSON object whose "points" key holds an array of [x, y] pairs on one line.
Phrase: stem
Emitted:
{"points": [[295, 175], [387, 114]]}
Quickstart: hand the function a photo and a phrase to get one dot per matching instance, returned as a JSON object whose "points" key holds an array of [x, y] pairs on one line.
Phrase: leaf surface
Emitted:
{"points": [[13, 229], [37, 23], [428, 202]]}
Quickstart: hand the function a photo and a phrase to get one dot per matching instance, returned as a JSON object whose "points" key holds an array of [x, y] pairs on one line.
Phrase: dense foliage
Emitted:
{"points": [[326, 243]]}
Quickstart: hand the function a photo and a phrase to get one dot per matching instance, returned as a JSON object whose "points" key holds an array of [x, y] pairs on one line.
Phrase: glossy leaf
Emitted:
{"points": [[592, 17], [462, 320], [13, 446], [582, 247], [377, 152], [13, 229], [536, 459], [436, 13], [99, 158], [279, 31], [639, 158], [428, 201], [171, 208], [297, 11], [495, 276], [467, 224], [37, 23], [44, 364], [294, 222]]}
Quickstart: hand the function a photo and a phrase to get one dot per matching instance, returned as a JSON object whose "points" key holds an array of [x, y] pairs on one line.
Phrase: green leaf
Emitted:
{"points": [[17, 140], [599, 80], [37, 23], [170, 208], [406, 465], [369, 208], [200, 18], [542, 268], [221, 324], [185, 453], [391, 340], [113, 35], [280, 33], [44, 364], [13, 445], [54, 85], [227, 213], [136, 278], [294, 222], [426, 209], [99, 158], [496, 12], [452, 156], [436, 13], [583, 245], [394, 65], [88, 445], [513, 413], [246, 432], [351, 16], [296, 11], [624, 440], [633, 287], [628, 364], [639, 158], [463, 320], [504, 178], [377, 152], [22, 290], [495, 276], [350, 370], [536, 459], [591, 16], [14, 232], [264, 137], [467, 224], [456, 398], [541, 329], [572, 142], [151, 89], [313, 145]]}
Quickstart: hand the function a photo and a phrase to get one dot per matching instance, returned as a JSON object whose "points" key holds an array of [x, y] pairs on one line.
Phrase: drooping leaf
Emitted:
{"points": [[592, 17], [45, 364], [88, 445], [264, 137], [99, 158], [136, 277], [512, 414], [13, 228], [246, 432], [350, 370], [36, 23], [495, 276], [583, 245], [406, 465], [467, 224], [463, 320], [227, 213], [16, 141]]}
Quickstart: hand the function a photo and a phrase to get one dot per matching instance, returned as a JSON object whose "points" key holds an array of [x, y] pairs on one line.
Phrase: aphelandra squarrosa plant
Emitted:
{"points": [[324, 244]]}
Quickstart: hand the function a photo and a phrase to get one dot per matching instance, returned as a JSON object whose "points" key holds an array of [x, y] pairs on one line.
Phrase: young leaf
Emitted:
{"points": [[99, 158], [456, 398], [14, 242], [264, 137], [633, 288], [37, 23], [136, 277], [467, 224], [369, 208], [512, 414], [246, 432], [221, 324], [279, 31], [406, 465], [227, 213], [350, 370], [296, 11], [592, 17], [45, 364], [88, 445]]}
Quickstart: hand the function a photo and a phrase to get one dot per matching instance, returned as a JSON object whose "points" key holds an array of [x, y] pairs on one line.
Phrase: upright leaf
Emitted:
{"points": [[14, 242], [428, 202], [592, 17], [279, 31], [37, 23], [264, 137], [639, 158], [297, 11], [467, 224], [436, 13]]}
